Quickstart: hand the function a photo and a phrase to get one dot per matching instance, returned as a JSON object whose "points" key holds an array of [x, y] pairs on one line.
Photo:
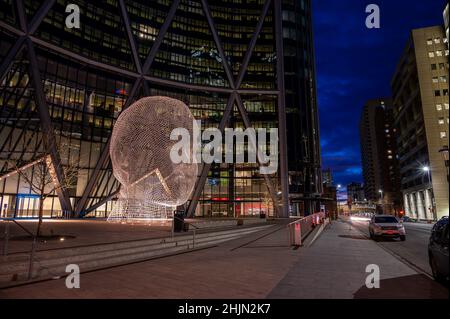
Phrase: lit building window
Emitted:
{"points": [[430, 41], [439, 107], [443, 79], [431, 54], [446, 106], [441, 121], [443, 134], [435, 79], [439, 53], [437, 40]]}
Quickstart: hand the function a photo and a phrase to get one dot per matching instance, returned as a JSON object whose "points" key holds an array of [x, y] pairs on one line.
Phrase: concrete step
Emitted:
{"points": [[53, 262], [103, 251], [97, 248]]}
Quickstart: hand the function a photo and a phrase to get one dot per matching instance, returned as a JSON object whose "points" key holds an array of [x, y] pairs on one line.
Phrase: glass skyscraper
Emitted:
{"points": [[63, 88]]}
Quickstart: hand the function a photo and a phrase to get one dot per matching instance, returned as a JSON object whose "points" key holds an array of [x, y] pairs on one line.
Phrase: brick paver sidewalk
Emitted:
{"points": [[253, 267]]}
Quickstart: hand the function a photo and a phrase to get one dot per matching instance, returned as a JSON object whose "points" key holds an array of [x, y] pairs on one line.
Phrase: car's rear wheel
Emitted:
{"points": [[402, 237], [435, 270]]}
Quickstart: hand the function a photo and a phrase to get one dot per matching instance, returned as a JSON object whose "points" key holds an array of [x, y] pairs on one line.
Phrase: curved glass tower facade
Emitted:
{"points": [[63, 88]]}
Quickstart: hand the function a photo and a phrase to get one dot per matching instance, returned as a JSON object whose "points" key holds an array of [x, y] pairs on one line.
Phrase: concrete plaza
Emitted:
{"points": [[259, 265]]}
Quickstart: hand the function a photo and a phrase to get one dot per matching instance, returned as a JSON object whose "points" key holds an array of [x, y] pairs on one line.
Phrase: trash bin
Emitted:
{"points": [[178, 221]]}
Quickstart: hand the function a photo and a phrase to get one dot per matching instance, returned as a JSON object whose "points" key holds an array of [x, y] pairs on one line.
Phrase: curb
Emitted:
{"points": [[318, 233]]}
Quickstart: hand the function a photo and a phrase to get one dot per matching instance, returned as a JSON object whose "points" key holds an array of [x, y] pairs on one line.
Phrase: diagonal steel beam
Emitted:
{"points": [[131, 40], [219, 46], [104, 157], [17, 48], [251, 46], [20, 9], [47, 128], [40, 15], [9, 59], [100, 203], [206, 167], [284, 171], [233, 97], [248, 124], [145, 68], [162, 32]]}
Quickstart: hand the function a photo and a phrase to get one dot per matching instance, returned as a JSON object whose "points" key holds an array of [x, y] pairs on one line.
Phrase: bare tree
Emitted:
{"points": [[42, 180]]}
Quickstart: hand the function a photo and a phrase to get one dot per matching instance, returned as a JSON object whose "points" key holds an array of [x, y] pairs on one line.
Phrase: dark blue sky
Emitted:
{"points": [[355, 64]]}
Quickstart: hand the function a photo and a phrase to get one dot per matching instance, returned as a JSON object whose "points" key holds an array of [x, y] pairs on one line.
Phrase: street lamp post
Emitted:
{"points": [[444, 153], [427, 170], [338, 188], [382, 200]]}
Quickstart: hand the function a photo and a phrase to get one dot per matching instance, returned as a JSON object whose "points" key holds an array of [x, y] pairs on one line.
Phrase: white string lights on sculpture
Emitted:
{"points": [[151, 184]]}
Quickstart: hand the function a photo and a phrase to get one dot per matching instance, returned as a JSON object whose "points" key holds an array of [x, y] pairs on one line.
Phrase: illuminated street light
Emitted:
{"points": [[444, 153], [427, 170], [381, 199]]}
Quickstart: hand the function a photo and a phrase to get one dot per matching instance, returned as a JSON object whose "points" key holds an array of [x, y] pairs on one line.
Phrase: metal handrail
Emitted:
{"points": [[296, 231], [191, 224], [33, 245]]}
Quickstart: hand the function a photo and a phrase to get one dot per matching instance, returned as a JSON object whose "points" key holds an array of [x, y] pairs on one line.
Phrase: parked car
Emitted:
{"points": [[438, 250], [386, 226], [407, 219]]}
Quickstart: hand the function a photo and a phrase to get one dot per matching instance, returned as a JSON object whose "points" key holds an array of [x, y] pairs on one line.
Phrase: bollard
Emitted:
{"points": [[30, 268], [6, 243]]}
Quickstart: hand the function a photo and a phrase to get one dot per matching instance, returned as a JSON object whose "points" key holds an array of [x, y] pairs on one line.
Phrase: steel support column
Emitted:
{"points": [[281, 109], [47, 128], [9, 59], [218, 43], [206, 167], [247, 124], [40, 15], [131, 41], [140, 80], [101, 202], [162, 32], [252, 44], [104, 157]]}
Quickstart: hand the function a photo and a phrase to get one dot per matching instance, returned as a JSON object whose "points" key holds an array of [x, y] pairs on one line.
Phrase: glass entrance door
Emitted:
{"points": [[27, 206]]}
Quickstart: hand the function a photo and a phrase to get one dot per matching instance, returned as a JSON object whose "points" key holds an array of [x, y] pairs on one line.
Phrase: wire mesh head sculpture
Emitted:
{"points": [[151, 184]]}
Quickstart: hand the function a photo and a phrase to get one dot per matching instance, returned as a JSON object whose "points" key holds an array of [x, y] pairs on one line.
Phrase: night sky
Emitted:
{"points": [[355, 64]]}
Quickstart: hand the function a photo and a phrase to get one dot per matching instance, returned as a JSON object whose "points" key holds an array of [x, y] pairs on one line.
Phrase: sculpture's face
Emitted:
{"points": [[140, 152]]}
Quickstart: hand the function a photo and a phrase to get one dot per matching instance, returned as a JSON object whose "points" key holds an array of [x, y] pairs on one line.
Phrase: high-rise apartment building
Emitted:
{"points": [[355, 193], [446, 21], [234, 63], [327, 177], [378, 155], [421, 111]]}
